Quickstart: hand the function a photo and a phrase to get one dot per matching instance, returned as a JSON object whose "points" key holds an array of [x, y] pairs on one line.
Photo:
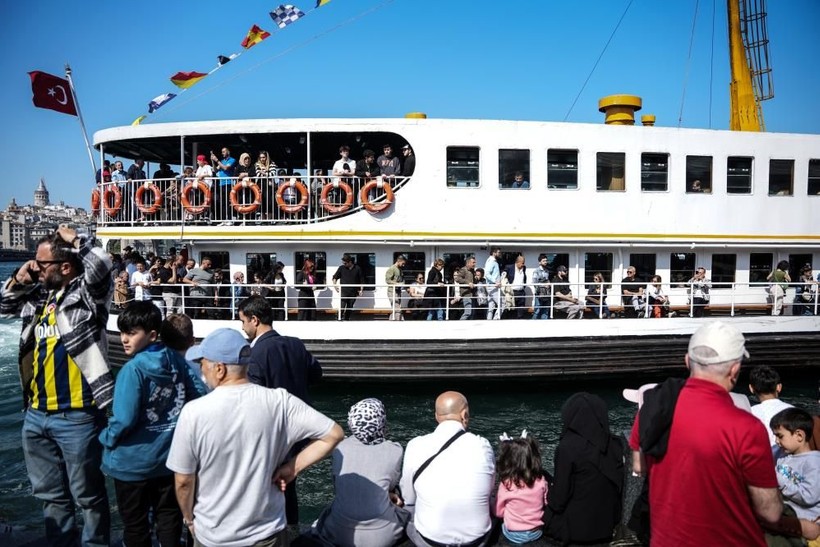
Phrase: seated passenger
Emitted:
{"points": [[596, 297], [658, 302], [632, 294], [562, 294], [367, 508], [584, 500]]}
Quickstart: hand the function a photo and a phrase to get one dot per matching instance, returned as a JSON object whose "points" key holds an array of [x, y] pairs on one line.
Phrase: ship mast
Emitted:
{"points": [[749, 59]]}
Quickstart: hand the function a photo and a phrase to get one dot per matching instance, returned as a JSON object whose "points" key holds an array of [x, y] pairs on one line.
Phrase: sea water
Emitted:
{"points": [[496, 406]]}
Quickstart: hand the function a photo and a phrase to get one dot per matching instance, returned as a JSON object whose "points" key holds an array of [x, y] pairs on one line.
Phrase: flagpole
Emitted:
{"points": [[80, 118]]}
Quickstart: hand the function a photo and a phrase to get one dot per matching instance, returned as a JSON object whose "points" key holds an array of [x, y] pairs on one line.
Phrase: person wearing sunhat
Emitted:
{"points": [[229, 448]]}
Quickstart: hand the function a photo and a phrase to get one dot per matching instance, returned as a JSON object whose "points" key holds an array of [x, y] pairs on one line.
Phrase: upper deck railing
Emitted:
{"points": [[286, 199]]}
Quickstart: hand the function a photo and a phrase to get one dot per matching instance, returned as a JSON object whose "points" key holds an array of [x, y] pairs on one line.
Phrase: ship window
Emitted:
{"points": [[367, 262], [698, 175], [681, 268], [514, 169], [654, 172], [796, 263], [562, 169], [219, 260], [644, 263], [452, 262], [611, 171], [738, 175], [259, 262], [781, 177], [462, 166], [760, 266], [556, 259], [507, 258], [724, 267], [597, 263], [814, 177], [319, 261], [413, 266]]}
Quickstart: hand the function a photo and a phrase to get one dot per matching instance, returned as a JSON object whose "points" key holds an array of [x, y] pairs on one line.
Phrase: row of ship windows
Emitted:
{"points": [[562, 171], [722, 270]]}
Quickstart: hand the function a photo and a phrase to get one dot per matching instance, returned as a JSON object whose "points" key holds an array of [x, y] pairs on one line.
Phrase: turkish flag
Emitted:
{"points": [[52, 92]]}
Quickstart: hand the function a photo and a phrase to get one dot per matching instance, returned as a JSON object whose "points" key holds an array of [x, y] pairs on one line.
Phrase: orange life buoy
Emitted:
{"points": [[95, 200], [154, 207], [185, 196], [248, 207], [113, 209], [381, 205], [337, 208], [303, 196]]}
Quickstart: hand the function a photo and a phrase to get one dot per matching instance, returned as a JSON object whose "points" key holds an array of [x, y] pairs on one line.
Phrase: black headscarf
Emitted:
{"points": [[585, 415]]}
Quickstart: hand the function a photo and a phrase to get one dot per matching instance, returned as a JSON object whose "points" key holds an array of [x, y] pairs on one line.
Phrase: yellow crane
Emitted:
{"points": [[749, 59]]}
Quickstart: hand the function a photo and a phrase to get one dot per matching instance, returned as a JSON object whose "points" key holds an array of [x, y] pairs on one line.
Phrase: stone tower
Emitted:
{"points": [[41, 194]]}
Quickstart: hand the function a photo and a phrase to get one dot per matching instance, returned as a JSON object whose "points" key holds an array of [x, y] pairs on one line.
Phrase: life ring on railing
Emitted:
{"points": [[95, 200], [303, 196], [115, 208], [381, 205], [342, 207], [154, 207], [246, 208], [186, 200]]}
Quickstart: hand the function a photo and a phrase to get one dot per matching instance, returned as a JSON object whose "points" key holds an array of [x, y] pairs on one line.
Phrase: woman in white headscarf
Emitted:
{"points": [[366, 470]]}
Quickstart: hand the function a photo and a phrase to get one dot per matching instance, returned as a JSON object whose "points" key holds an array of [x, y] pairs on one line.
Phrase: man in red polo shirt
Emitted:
{"points": [[716, 478]]}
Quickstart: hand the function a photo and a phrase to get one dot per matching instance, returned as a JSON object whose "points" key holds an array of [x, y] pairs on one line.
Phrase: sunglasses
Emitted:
{"points": [[43, 264]]}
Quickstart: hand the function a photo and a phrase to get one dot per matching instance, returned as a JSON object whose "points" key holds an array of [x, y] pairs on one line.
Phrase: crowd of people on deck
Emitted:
{"points": [[177, 283], [204, 442], [224, 190]]}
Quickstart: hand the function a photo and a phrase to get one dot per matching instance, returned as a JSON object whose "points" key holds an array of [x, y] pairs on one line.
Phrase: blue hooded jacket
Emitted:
{"points": [[149, 394]]}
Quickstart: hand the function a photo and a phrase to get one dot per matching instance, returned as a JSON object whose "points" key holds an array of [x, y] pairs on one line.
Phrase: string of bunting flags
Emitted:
{"points": [[283, 16]]}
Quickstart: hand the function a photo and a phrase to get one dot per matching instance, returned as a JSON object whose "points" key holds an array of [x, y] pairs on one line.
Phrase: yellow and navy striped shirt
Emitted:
{"points": [[58, 383]]}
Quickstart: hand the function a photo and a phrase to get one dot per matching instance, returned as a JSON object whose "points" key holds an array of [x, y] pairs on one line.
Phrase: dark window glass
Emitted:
{"points": [[738, 175], [698, 174], [645, 264], [760, 266], [507, 258], [319, 262], [220, 260], [510, 164], [413, 266], [724, 267], [562, 169], [814, 177], [367, 262], [259, 262], [454, 261], [796, 263], [597, 263], [556, 259], [781, 177], [462, 166], [654, 172], [611, 173], [681, 268]]}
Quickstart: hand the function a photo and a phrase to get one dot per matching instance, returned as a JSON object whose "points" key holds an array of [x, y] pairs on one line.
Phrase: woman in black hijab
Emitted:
{"points": [[584, 500]]}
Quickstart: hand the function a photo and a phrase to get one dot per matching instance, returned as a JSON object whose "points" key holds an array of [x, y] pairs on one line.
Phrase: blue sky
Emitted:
{"points": [[522, 60]]}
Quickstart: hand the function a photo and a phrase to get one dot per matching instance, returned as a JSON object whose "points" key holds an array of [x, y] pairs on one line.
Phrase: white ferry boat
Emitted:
{"points": [[598, 198]]}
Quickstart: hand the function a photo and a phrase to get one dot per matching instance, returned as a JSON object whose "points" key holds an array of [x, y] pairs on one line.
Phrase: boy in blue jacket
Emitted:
{"points": [[149, 394]]}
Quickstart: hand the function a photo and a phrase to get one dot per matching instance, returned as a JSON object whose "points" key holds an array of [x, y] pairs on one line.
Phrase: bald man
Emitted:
{"points": [[447, 478]]}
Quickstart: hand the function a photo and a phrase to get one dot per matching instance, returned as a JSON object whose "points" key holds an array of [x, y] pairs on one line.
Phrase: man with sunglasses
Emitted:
{"points": [[63, 297]]}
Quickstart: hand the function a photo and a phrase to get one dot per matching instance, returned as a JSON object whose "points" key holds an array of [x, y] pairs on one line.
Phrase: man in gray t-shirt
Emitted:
{"points": [[227, 447], [201, 278]]}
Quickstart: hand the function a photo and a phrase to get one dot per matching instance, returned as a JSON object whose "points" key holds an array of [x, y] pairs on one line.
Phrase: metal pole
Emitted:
{"points": [[80, 118]]}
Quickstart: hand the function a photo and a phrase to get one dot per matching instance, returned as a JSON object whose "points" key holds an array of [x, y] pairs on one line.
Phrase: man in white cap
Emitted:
{"points": [[716, 478], [229, 449]]}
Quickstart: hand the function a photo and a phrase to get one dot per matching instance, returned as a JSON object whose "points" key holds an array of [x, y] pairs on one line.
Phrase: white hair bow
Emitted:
{"points": [[505, 437]]}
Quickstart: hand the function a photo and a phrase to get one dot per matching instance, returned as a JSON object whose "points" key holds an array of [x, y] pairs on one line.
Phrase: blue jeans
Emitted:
{"points": [[467, 303], [520, 537], [63, 457], [542, 308]]}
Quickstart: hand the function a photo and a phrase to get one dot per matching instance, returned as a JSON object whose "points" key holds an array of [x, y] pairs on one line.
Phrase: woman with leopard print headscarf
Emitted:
{"points": [[366, 467]]}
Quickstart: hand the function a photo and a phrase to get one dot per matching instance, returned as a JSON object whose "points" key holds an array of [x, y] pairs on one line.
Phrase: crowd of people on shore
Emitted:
{"points": [[223, 190], [204, 442]]}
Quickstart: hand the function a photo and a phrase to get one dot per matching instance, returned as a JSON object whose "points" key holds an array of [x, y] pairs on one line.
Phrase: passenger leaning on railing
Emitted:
{"points": [[780, 280], [225, 170], [805, 293]]}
